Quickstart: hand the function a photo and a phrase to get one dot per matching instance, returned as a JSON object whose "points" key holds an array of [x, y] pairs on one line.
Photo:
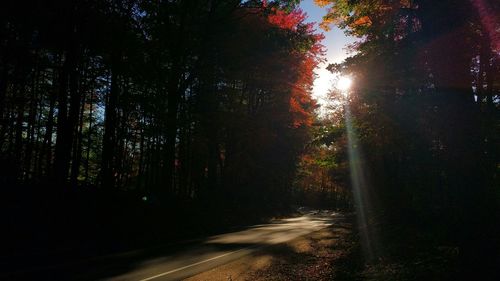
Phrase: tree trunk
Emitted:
{"points": [[66, 122], [3, 94], [109, 140], [18, 148], [89, 139], [174, 96], [140, 174], [77, 148], [31, 127], [47, 142], [184, 148], [38, 145]]}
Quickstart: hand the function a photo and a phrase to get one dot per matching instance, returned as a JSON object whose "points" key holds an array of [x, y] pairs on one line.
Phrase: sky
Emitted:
{"points": [[335, 43]]}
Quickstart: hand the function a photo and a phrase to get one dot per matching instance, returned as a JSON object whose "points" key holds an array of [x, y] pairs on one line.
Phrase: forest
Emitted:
{"points": [[133, 122], [419, 132], [166, 99], [119, 114]]}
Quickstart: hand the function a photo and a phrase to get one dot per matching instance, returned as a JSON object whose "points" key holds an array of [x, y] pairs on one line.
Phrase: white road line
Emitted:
{"points": [[194, 264], [221, 256]]}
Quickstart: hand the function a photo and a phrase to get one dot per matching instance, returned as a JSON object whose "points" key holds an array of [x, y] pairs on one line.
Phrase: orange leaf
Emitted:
{"points": [[363, 21]]}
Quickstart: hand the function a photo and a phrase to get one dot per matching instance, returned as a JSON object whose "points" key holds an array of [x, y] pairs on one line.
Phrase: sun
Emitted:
{"points": [[343, 84]]}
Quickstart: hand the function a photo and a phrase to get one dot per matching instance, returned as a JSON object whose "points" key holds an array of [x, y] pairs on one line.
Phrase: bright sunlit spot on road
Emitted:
{"points": [[343, 84]]}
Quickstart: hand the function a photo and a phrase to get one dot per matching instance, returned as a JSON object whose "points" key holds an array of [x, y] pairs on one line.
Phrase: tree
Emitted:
{"points": [[420, 107]]}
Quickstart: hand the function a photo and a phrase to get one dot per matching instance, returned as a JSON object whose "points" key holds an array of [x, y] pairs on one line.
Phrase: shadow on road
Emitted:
{"points": [[183, 259]]}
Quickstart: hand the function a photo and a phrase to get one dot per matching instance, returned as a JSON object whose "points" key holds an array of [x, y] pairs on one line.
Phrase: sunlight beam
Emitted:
{"points": [[360, 188]]}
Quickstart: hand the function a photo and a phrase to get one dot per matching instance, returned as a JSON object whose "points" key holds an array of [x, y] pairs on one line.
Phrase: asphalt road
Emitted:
{"points": [[185, 261]]}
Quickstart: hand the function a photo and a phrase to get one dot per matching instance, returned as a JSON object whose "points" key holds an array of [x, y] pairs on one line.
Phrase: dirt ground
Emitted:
{"points": [[323, 255]]}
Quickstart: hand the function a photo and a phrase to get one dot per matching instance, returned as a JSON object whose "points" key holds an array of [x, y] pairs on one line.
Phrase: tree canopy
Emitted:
{"points": [[425, 108]]}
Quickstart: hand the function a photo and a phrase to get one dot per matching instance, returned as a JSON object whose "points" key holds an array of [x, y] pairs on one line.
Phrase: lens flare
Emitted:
{"points": [[343, 84]]}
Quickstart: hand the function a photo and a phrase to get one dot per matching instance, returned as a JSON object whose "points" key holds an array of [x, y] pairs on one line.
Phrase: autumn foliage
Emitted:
{"points": [[302, 105], [167, 101]]}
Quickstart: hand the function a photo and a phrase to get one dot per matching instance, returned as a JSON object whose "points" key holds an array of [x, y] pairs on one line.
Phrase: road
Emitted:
{"points": [[182, 262]]}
